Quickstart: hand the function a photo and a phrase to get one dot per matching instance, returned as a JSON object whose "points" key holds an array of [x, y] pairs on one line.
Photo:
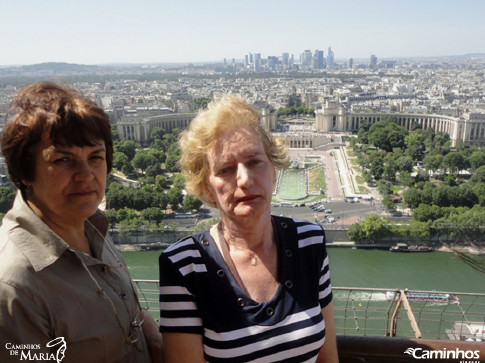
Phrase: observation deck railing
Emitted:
{"points": [[375, 325]]}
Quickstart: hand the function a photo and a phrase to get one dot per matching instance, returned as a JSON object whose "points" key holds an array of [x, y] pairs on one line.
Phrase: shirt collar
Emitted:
{"points": [[40, 244]]}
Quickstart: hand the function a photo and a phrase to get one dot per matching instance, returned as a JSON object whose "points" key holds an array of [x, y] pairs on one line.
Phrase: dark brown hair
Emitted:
{"points": [[55, 111]]}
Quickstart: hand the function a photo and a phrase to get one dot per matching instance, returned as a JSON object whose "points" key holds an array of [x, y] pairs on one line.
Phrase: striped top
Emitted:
{"points": [[199, 295]]}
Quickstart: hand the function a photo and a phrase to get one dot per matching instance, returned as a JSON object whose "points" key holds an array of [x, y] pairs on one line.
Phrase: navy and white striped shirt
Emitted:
{"points": [[199, 295]]}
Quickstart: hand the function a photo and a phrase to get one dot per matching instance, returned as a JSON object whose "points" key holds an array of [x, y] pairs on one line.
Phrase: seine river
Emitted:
{"points": [[440, 271]]}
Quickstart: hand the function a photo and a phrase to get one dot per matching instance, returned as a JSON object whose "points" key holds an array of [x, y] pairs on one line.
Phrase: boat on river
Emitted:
{"points": [[403, 247], [425, 296]]}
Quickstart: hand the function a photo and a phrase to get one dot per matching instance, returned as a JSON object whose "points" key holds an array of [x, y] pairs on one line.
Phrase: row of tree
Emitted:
{"points": [[441, 183], [136, 162], [461, 224], [160, 186], [119, 196]]}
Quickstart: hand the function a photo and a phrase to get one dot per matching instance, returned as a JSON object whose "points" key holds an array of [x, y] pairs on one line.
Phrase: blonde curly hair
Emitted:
{"points": [[195, 143]]}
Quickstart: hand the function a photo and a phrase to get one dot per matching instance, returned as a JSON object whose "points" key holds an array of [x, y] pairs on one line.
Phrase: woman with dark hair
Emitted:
{"points": [[60, 273]]}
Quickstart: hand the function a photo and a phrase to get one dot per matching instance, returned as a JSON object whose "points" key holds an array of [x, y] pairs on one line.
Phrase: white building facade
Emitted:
{"points": [[469, 128]]}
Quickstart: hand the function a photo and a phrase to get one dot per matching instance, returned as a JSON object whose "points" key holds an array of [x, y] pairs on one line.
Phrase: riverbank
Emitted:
{"points": [[473, 250]]}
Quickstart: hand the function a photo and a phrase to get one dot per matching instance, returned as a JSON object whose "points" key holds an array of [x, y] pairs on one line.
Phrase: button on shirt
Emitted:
{"points": [[47, 293]]}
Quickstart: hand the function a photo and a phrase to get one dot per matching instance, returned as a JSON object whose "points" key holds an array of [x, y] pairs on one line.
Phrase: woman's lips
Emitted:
{"points": [[84, 193], [247, 198]]}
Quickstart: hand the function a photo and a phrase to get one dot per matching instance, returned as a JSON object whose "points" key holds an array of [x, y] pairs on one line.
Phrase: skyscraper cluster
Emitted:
{"points": [[308, 60]]}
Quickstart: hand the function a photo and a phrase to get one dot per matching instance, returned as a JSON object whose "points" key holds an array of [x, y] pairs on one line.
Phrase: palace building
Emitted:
{"points": [[469, 128], [333, 117]]}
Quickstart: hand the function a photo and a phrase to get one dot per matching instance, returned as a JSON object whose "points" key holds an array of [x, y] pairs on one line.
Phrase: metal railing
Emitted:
{"points": [[371, 312], [409, 314]]}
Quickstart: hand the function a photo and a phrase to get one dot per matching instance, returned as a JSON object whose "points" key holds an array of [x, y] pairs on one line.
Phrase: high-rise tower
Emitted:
{"points": [[330, 57]]}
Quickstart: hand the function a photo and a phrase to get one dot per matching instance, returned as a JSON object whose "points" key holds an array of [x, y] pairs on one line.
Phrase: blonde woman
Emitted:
{"points": [[254, 287]]}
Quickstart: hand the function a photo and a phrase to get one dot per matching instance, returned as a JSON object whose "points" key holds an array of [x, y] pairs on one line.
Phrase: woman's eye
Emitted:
{"points": [[61, 160]]}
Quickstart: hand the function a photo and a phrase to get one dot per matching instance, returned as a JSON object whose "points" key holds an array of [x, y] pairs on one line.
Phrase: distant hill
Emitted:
{"points": [[51, 69]]}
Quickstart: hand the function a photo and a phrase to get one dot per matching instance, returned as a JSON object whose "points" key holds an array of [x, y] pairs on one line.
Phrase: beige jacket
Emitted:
{"points": [[47, 293]]}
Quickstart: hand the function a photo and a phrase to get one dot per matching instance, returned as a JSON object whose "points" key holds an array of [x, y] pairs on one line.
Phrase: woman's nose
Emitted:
{"points": [[83, 171], [243, 175]]}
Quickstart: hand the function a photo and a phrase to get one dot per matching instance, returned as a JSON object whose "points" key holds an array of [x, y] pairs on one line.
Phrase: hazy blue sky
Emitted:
{"points": [[141, 31]]}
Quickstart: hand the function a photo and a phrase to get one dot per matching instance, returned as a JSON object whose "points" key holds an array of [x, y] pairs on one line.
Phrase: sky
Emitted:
{"points": [[161, 31]]}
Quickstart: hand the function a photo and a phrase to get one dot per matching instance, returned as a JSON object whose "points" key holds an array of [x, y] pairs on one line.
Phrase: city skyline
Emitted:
{"points": [[147, 31]]}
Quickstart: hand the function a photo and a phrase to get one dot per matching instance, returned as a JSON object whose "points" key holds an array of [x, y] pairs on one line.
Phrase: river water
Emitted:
{"points": [[440, 271]]}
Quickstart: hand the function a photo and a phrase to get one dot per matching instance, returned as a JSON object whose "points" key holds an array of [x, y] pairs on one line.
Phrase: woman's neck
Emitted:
{"points": [[73, 233], [248, 235]]}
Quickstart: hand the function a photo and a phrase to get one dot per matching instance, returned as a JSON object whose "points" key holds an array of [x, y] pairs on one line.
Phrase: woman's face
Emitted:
{"points": [[69, 181], [241, 176]]}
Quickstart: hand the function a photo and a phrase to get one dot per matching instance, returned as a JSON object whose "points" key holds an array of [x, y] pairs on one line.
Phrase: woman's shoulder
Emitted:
{"points": [[300, 225], [16, 270], [189, 242], [302, 232]]}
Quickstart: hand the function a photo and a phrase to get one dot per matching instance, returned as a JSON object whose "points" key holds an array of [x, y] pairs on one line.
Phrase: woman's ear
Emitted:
{"points": [[25, 183]]}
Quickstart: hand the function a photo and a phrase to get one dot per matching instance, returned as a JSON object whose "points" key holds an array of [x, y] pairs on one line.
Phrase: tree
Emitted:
{"points": [[202, 102], [7, 195], [143, 199], [171, 164], [387, 134], [161, 200], [405, 178], [412, 197], [384, 187], [479, 176], [128, 170], [376, 165], [479, 190], [405, 163], [464, 195], [415, 146], [370, 229], [191, 203], [159, 145], [157, 154], [152, 214], [390, 167], [175, 197], [120, 160], [388, 203], [157, 133], [111, 215], [161, 183], [433, 162], [143, 159], [126, 214], [454, 161], [179, 181], [476, 159], [425, 213], [127, 147], [153, 170], [363, 136]]}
